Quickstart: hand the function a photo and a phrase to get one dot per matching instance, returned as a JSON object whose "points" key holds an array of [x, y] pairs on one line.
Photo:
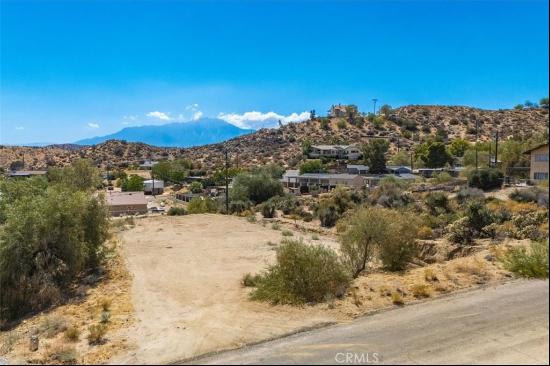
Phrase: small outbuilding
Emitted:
{"points": [[153, 186], [126, 203]]}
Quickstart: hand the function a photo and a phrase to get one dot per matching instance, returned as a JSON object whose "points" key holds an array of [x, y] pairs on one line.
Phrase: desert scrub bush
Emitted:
{"points": [[287, 233], [238, 207], [328, 213], [530, 262], [437, 202], [468, 194], [199, 205], [52, 325], [276, 226], [390, 194], [269, 210], [485, 179], [533, 194], [314, 237], [72, 333], [421, 290], [105, 303], [528, 226], [430, 275], [256, 187], [425, 232], [460, 231], [479, 216], [250, 280], [105, 317], [176, 211], [371, 230], [63, 354], [96, 333], [397, 298], [302, 274]]}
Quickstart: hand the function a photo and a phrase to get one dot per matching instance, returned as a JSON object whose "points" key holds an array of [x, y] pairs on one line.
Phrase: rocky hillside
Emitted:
{"points": [[404, 127]]}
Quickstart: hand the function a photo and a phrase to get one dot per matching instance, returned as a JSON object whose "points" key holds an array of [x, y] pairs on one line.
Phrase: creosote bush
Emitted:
{"points": [[530, 262], [302, 274], [176, 211], [388, 233], [485, 179]]}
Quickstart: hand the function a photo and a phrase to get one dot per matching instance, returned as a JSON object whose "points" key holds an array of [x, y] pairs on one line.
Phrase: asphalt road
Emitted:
{"points": [[503, 325]]}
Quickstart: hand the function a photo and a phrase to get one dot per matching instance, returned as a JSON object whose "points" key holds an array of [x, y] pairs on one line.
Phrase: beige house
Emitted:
{"points": [[126, 203], [539, 163], [301, 183]]}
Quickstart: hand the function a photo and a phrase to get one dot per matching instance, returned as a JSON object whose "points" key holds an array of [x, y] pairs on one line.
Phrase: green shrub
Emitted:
{"points": [[312, 166], [302, 274], [257, 187], [485, 179], [478, 215], [468, 194], [72, 333], [460, 231], [389, 233], [437, 201], [238, 207], [47, 240], [268, 210], [287, 233], [196, 187], [250, 280], [529, 262], [96, 333], [176, 211], [532, 194], [328, 213], [200, 205]]}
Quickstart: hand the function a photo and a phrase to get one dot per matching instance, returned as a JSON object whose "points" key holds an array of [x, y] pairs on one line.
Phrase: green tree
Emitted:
{"points": [[458, 147], [134, 183], [306, 147], [436, 155], [519, 107], [544, 102], [257, 188], [312, 166], [386, 110], [196, 187], [374, 154]]}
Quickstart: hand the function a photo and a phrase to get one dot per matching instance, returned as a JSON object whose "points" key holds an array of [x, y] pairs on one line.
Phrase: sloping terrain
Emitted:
{"points": [[404, 127]]}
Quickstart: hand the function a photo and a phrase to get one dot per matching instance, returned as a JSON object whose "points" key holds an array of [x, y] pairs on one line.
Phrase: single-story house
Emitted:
{"points": [[148, 164], [26, 173], [126, 203], [293, 180], [357, 169], [345, 152], [539, 162], [399, 169], [187, 196], [153, 186]]}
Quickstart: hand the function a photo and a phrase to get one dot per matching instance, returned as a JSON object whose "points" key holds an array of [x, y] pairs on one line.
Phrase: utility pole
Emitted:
{"points": [[496, 150], [398, 145], [412, 161], [226, 182], [374, 105], [477, 137]]}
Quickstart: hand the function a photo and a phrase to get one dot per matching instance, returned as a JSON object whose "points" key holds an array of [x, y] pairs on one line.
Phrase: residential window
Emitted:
{"points": [[541, 157], [541, 176]]}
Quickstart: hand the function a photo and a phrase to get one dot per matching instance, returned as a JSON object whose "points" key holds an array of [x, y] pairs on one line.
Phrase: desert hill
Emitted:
{"points": [[403, 127]]}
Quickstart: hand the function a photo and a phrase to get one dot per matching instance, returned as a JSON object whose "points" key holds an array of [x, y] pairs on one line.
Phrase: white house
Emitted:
{"points": [[345, 152]]}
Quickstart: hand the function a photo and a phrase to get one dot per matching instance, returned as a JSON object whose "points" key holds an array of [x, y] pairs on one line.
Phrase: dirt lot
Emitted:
{"points": [[187, 291]]}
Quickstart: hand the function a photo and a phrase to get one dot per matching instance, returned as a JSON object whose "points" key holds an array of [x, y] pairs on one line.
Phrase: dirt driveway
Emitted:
{"points": [[186, 289]]}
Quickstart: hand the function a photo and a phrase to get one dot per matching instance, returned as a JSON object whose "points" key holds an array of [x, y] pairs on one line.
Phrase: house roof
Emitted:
{"points": [[357, 166], [535, 148], [125, 198], [335, 147], [329, 176], [24, 173]]}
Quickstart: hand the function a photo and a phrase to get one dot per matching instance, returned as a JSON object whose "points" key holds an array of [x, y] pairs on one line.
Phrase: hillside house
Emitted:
{"points": [[126, 203], [538, 170], [337, 111], [399, 169], [344, 152], [153, 186]]}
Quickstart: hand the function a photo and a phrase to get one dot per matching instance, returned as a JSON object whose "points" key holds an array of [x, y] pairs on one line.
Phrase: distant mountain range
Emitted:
{"points": [[182, 134]]}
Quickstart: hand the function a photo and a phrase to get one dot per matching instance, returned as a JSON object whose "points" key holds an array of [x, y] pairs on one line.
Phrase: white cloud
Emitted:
{"points": [[19, 128], [197, 115], [93, 125], [257, 120], [159, 115]]}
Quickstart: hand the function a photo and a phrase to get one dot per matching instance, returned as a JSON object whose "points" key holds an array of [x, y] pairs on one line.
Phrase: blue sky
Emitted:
{"points": [[77, 69]]}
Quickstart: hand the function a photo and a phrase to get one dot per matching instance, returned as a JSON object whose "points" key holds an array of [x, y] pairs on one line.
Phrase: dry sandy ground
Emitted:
{"points": [[187, 293]]}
